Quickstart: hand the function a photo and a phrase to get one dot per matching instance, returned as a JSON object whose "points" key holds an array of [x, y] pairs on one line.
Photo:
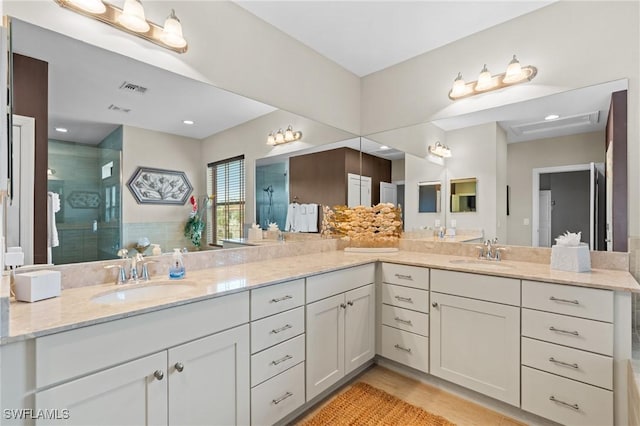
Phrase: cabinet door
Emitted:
{"points": [[213, 386], [359, 328], [128, 394], [476, 344], [325, 344]]}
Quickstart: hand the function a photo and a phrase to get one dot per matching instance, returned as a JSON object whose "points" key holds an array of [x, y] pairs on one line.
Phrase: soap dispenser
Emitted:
{"points": [[176, 270]]}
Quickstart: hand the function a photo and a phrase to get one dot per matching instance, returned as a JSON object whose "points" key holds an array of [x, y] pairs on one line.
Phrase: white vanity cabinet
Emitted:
{"points": [[475, 332], [405, 320], [203, 381], [340, 325], [277, 351], [567, 349]]}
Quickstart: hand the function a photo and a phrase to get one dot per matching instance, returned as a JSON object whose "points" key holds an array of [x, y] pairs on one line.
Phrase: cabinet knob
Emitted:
{"points": [[158, 374], [434, 304], [179, 367]]}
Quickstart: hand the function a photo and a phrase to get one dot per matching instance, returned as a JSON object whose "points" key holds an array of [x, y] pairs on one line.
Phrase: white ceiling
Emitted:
{"points": [[85, 80], [367, 36]]}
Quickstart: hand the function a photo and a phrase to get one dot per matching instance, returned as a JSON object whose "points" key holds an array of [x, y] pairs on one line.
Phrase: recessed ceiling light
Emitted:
{"points": [[61, 130], [189, 122], [384, 148], [551, 117]]}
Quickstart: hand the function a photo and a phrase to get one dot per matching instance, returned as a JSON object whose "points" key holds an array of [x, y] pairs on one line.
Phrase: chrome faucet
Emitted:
{"points": [[133, 274], [489, 251]]}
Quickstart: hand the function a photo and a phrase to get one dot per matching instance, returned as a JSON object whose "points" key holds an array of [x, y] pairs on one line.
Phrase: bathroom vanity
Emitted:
{"points": [[261, 342]]}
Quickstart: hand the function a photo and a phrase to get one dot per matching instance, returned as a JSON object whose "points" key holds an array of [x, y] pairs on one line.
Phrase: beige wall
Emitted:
{"points": [[250, 139], [229, 48], [573, 43], [523, 157]]}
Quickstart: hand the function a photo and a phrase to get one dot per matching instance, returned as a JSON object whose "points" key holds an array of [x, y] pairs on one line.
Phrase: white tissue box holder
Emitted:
{"points": [[571, 259], [255, 234], [37, 285]]}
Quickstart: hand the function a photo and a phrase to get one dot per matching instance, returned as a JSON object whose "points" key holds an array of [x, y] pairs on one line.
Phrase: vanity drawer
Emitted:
{"points": [[276, 359], [277, 328], [326, 285], [569, 300], [404, 319], [476, 286], [572, 363], [405, 297], [276, 298], [410, 276], [406, 348], [276, 398], [578, 333], [575, 403]]}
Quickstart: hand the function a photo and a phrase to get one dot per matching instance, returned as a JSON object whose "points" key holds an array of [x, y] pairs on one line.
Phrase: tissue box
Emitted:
{"points": [[37, 285], [255, 234], [572, 259]]}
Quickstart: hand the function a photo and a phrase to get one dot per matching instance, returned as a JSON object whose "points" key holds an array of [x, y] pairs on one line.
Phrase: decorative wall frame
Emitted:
{"points": [[159, 186]]}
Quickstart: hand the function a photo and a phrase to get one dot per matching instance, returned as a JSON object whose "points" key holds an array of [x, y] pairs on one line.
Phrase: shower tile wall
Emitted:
{"points": [[272, 194]]}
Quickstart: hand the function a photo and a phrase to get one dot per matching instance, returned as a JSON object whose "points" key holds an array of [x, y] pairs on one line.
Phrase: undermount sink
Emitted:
{"points": [[481, 263], [144, 292]]}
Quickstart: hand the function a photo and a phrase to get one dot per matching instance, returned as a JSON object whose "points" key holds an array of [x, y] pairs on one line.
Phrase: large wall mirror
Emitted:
{"points": [[559, 138]]}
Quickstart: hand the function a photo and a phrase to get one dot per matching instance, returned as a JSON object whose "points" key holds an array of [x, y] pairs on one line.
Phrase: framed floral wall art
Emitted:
{"points": [[159, 186]]}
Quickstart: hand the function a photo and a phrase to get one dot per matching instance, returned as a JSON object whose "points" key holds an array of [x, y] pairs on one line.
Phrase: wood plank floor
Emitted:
{"points": [[432, 399]]}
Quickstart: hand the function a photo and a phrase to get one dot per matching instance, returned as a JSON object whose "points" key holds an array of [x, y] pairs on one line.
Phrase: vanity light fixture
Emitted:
{"points": [[281, 136], [515, 74], [188, 122], [440, 150], [131, 18], [61, 129]]}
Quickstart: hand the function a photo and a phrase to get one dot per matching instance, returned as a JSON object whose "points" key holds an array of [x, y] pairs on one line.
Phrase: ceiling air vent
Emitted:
{"points": [[579, 120], [133, 88], [113, 107]]}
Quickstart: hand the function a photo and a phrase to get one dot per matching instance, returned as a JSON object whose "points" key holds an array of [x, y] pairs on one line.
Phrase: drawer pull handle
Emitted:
{"points": [[158, 374], [555, 299], [280, 299], [343, 305], [402, 348], [566, 404], [404, 321], [566, 364], [281, 360], [404, 299], [282, 398], [278, 330], [350, 303], [558, 330], [404, 277]]}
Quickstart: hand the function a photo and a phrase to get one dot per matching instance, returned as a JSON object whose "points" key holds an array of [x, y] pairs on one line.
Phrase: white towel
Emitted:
{"points": [[312, 218], [292, 213], [53, 206], [301, 218]]}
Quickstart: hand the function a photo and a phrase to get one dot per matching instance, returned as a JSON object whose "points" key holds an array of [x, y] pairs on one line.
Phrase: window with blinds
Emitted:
{"points": [[225, 179]]}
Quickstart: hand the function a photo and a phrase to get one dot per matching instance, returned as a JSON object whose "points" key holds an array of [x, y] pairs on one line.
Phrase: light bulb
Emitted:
{"points": [[459, 86], [288, 135], [132, 17], [92, 6], [484, 79], [279, 137], [514, 71], [271, 140], [172, 32]]}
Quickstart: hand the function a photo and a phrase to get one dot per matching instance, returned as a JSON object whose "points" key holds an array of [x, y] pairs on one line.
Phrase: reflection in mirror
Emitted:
{"points": [[503, 147], [429, 197], [108, 115], [463, 195]]}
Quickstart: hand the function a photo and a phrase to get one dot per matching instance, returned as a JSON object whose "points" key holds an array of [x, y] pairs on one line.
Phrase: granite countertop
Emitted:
{"points": [[248, 242], [75, 307]]}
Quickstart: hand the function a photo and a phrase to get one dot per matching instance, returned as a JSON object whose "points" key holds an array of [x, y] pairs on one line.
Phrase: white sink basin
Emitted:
{"points": [[144, 292], [477, 263]]}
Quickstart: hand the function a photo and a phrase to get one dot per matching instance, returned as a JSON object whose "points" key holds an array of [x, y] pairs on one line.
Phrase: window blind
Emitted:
{"points": [[225, 179]]}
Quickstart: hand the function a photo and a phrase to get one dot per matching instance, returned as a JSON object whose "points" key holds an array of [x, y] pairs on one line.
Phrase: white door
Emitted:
{"points": [[359, 326], [544, 223], [325, 344], [389, 193], [213, 386], [476, 344], [358, 190], [129, 394], [20, 211]]}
